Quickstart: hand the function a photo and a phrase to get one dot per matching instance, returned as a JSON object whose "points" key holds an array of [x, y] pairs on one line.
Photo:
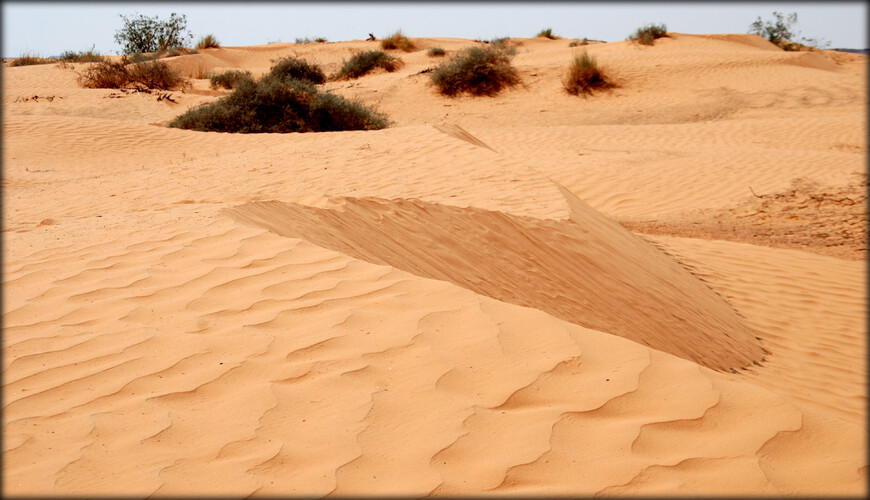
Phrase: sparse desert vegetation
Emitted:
{"points": [[585, 75], [280, 103], [28, 59], [229, 79], [398, 41], [90, 55], [546, 33], [780, 31], [208, 42], [319, 39], [479, 71], [362, 63], [436, 52], [125, 73], [293, 68], [647, 35]]}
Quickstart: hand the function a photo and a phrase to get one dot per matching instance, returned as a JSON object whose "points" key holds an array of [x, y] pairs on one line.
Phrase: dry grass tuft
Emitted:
{"points": [[648, 34], [584, 75], [398, 41]]}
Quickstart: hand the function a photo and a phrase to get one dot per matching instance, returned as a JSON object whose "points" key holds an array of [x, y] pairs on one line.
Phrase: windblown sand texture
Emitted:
{"points": [[659, 289]]}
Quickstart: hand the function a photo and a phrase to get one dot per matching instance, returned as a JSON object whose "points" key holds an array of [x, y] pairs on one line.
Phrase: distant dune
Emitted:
{"points": [[658, 289]]}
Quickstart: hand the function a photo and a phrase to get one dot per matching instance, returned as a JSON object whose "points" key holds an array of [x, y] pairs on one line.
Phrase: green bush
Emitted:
{"points": [[229, 79], [398, 41], [272, 105], [107, 74], [477, 71], [290, 68], [436, 52], [546, 33], [363, 62], [142, 34], [584, 75], [648, 34], [208, 42]]}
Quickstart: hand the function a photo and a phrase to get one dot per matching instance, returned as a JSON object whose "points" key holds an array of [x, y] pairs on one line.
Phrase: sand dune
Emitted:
{"points": [[658, 290]]}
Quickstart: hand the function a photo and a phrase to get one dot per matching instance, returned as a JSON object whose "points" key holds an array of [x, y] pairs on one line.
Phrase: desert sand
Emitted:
{"points": [[659, 289]]}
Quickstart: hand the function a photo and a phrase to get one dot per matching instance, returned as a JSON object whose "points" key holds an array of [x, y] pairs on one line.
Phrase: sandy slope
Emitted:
{"points": [[656, 290]]}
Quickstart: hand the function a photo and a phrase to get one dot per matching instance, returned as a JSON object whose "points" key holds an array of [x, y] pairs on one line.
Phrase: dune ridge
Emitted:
{"points": [[529, 294]]}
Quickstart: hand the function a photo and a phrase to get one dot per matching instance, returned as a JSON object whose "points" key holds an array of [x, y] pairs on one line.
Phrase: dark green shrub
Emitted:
{"points": [[229, 79], [289, 68], [546, 33], [208, 42], [142, 34], [398, 41], [648, 34], [363, 62], [436, 52], [272, 105], [477, 71], [107, 74], [584, 75]]}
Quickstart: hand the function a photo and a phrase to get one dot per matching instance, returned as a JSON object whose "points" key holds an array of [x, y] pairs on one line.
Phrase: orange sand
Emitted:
{"points": [[655, 290]]}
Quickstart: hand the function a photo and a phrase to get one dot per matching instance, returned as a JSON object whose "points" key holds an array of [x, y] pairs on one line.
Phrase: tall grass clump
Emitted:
{"points": [[292, 68], [584, 75], [398, 41], [546, 33], [28, 59], [108, 74], [229, 79], [364, 62], [208, 42], [272, 105], [648, 34], [479, 71]]}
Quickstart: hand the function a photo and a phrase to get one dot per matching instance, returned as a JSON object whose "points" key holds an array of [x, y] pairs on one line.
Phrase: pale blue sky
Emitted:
{"points": [[49, 28]]}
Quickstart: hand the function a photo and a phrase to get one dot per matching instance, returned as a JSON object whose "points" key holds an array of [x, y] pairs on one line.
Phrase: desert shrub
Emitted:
{"points": [[648, 34], [305, 40], [575, 43], [290, 67], [229, 79], [142, 34], [27, 59], [208, 42], [546, 33], [477, 71], [780, 32], [108, 74], [584, 75], [398, 41], [178, 51], [436, 52], [363, 62], [272, 105], [81, 57]]}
